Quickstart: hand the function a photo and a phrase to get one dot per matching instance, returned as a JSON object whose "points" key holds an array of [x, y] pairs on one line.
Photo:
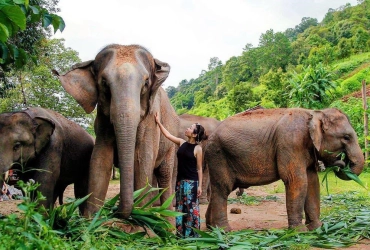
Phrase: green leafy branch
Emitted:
{"points": [[15, 15], [346, 170]]}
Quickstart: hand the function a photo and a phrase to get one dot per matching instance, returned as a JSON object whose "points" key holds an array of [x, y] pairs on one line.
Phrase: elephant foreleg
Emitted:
{"points": [[216, 214], [312, 203], [47, 175], [99, 175], [296, 190]]}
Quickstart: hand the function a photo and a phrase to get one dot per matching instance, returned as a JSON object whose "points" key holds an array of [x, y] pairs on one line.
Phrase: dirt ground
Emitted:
{"points": [[267, 214]]}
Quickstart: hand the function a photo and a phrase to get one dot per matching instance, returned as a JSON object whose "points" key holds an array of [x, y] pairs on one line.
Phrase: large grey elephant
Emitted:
{"points": [[262, 146], [209, 124], [124, 82], [57, 148]]}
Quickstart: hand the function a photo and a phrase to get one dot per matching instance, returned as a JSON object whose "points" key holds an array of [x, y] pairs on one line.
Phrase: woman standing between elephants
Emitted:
{"points": [[189, 177]]}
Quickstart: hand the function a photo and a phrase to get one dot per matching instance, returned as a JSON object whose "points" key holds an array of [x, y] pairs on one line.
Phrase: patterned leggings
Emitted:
{"points": [[187, 202]]}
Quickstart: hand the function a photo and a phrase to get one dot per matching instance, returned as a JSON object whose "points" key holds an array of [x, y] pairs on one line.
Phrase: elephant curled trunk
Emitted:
{"points": [[355, 161]]}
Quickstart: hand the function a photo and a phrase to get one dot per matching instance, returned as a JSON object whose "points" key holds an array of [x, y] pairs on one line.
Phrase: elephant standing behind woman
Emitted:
{"points": [[58, 150], [262, 146], [124, 82]]}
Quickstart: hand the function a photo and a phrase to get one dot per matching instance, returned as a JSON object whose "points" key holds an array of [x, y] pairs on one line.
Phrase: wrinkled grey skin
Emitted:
{"points": [[45, 140], [262, 146], [124, 82]]}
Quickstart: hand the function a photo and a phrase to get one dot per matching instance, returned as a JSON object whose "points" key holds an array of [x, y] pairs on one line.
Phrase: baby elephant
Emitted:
{"points": [[48, 148], [261, 146]]}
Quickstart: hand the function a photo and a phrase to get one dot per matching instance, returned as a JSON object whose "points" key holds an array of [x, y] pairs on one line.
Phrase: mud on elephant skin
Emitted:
{"points": [[43, 139], [125, 83], [262, 146]]}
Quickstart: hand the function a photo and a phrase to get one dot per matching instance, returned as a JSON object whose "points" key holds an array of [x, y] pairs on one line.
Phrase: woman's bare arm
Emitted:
{"points": [[199, 157], [167, 134]]}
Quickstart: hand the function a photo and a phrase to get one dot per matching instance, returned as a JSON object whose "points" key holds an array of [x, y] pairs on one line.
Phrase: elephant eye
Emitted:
{"points": [[347, 137], [17, 146], [147, 82]]}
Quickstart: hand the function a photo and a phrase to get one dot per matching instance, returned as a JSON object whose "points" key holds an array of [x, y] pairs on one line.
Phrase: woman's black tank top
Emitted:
{"points": [[187, 163]]}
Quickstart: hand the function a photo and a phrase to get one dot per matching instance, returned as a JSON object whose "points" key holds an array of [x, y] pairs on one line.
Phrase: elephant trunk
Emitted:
{"points": [[125, 115], [125, 130], [356, 161]]}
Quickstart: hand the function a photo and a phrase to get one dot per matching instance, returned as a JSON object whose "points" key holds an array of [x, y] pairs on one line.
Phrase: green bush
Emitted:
{"points": [[354, 83], [349, 64], [350, 85]]}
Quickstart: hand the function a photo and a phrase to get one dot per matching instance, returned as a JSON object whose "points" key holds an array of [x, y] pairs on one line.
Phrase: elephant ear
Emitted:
{"points": [[80, 84], [317, 126], [161, 73], [44, 129], [162, 70]]}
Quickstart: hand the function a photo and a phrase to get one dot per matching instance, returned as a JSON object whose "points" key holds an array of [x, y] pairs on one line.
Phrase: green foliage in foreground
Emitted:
{"points": [[63, 228]]}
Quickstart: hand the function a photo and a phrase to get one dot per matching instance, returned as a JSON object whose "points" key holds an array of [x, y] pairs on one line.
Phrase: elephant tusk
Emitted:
{"points": [[321, 166]]}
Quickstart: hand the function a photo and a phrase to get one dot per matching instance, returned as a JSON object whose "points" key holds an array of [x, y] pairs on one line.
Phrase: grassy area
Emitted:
{"points": [[335, 185], [348, 66], [345, 215]]}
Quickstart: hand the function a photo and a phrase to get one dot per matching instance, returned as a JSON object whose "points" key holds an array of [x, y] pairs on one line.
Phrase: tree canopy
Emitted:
{"points": [[17, 16], [294, 68]]}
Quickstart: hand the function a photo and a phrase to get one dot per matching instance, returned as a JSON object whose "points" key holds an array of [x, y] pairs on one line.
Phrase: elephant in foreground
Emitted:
{"points": [[58, 149], [209, 124], [262, 146], [125, 84]]}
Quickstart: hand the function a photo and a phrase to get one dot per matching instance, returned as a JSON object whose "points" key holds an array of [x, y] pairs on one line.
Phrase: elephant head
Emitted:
{"points": [[123, 82], [22, 138], [332, 134]]}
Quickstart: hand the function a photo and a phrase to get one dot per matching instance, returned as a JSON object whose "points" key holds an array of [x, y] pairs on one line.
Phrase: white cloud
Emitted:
{"points": [[183, 33]]}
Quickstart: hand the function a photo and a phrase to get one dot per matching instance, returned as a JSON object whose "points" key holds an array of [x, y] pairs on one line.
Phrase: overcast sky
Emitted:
{"points": [[183, 33]]}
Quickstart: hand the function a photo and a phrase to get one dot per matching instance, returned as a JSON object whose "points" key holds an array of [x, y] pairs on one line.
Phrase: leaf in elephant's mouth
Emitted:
{"points": [[346, 170]]}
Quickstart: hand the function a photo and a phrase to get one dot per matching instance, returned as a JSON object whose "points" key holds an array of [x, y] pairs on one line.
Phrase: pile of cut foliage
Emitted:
{"points": [[63, 228]]}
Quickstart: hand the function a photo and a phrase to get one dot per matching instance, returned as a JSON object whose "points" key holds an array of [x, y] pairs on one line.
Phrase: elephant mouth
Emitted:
{"points": [[342, 164], [339, 163]]}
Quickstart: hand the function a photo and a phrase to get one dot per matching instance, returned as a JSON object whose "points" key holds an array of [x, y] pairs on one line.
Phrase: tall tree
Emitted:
{"points": [[21, 24], [171, 91], [35, 85], [241, 97], [276, 50], [306, 22]]}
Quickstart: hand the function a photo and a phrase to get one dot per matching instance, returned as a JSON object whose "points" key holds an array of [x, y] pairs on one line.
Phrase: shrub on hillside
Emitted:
{"points": [[354, 83]]}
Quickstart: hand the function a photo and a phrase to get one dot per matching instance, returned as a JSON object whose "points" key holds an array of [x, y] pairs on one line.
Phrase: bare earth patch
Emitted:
{"points": [[268, 214]]}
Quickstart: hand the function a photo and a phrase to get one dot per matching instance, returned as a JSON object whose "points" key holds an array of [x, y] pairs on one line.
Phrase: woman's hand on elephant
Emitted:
{"points": [[156, 116], [199, 192]]}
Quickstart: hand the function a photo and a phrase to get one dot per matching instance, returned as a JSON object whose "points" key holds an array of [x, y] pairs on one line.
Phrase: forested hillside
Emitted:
{"points": [[312, 65]]}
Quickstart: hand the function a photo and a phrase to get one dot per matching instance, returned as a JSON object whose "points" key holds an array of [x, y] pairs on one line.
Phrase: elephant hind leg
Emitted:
{"points": [[240, 191], [312, 202], [164, 174]]}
